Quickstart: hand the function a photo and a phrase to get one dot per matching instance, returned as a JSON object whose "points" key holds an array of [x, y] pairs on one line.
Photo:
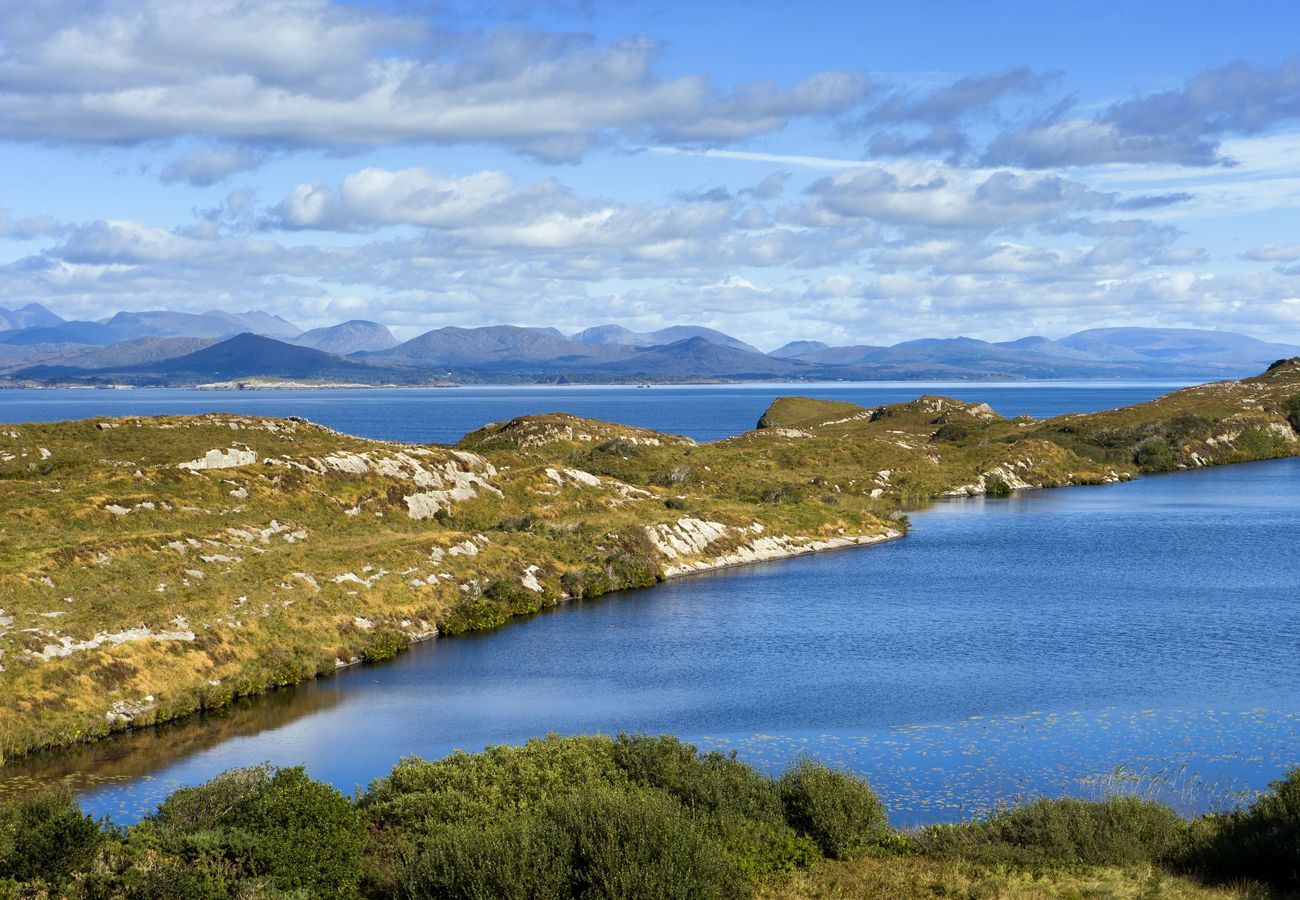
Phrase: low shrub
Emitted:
{"points": [[996, 486], [384, 644], [46, 836], [1260, 443], [620, 447], [838, 810], [517, 599], [500, 782], [1261, 843], [1115, 832], [276, 824], [950, 431], [1291, 409], [1155, 455], [738, 806], [603, 843], [781, 493], [674, 477], [525, 522], [510, 859], [473, 614], [639, 845]]}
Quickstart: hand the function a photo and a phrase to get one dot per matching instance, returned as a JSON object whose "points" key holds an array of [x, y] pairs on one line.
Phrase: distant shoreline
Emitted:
{"points": [[287, 384]]}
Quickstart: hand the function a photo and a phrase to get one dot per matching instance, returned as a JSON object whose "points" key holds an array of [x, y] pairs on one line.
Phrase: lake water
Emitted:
{"points": [[1005, 648], [443, 415]]}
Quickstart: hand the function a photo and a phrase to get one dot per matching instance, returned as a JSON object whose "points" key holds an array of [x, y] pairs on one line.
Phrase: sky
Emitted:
{"points": [[849, 172]]}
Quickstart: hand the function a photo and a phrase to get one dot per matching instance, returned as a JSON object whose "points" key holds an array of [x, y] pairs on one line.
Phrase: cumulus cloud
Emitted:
{"points": [[1087, 142], [206, 166], [315, 72], [1273, 253], [545, 223], [1155, 201], [967, 95], [944, 197], [1182, 126], [29, 227], [769, 188], [942, 140]]}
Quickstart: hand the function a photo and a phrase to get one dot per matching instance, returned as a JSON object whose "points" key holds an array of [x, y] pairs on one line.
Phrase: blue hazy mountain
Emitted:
{"points": [[164, 346]]}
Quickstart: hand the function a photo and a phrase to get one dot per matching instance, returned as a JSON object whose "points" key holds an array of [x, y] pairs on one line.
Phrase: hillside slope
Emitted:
{"points": [[152, 567]]}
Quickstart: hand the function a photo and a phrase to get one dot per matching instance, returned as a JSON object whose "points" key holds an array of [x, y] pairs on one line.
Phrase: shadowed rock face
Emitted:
{"points": [[156, 566]]}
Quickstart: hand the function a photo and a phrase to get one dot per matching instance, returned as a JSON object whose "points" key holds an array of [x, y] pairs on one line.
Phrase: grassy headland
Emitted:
{"points": [[153, 567]]}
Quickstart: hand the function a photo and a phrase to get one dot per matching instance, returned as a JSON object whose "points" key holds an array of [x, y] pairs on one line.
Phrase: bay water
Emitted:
{"points": [[1141, 636]]}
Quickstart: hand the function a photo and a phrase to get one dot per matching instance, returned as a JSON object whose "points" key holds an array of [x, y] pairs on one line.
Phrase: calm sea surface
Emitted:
{"points": [[1005, 648], [443, 415]]}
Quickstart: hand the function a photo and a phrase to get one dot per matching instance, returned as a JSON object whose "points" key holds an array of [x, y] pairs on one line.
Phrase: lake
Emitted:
{"points": [[1053, 642]]}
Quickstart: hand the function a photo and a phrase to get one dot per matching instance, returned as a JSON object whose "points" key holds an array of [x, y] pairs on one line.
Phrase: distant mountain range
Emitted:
{"points": [[162, 347]]}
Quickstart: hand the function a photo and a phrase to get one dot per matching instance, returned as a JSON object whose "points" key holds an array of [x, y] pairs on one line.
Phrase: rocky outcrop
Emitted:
{"points": [[221, 459], [696, 545]]}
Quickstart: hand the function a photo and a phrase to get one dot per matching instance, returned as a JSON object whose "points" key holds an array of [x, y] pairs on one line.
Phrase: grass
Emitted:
{"points": [[909, 877], [134, 590]]}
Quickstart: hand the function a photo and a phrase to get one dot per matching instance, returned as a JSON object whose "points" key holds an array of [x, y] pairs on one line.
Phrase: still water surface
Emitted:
{"points": [[1005, 648], [443, 415]]}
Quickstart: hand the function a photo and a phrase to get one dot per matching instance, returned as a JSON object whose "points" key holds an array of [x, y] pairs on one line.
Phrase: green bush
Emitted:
{"points": [[500, 782], [1259, 443], [473, 614], [836, 809], [736, 804], [950, 431], [1291, 409], [277, 824], [46, 836], [384, 644], [632, 570], [640, 846], [132, 872], [995, 486], [781, 493], [1186, 426], [674, 477], [1154, 454], [1115, 832], [517, 599], [509, 859], [620, 447], [1262, 843], [603, 844]]}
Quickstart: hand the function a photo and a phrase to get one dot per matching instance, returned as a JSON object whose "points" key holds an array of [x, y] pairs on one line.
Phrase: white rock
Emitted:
{"points": [[221, 459]]}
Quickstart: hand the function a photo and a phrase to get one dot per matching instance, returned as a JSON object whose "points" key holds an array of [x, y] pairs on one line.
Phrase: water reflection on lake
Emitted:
{"points": [[1005, 648]]}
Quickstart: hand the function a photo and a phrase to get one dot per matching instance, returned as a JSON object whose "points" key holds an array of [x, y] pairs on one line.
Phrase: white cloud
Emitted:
{"points": [[314, 72], [941, 196], [1273, 253], [206, 166]]}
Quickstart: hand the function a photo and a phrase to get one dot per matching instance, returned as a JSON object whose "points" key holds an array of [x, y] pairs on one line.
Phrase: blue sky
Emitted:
{"points": [[848, 172]]}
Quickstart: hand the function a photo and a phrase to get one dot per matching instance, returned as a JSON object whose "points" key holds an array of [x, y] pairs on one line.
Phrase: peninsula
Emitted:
{"points": [[151, 568]]}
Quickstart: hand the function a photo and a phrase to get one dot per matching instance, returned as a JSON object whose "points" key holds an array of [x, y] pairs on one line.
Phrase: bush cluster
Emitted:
{"points": [[1291, 409], [588, 817], [1153, 446]]}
